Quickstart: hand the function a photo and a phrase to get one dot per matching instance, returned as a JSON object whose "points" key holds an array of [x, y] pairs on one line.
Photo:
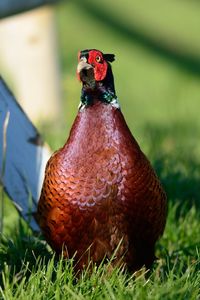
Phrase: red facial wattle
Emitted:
{"points": [[100, 65]]}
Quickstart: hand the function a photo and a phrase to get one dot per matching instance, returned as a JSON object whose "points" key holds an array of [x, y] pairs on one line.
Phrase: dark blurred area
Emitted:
{"points": [[11, 7]]}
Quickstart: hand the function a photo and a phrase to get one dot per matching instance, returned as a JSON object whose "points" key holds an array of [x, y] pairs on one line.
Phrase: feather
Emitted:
{"points": [[109, 57]]}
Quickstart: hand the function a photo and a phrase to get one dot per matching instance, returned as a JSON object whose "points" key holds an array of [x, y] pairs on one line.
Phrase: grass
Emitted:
{"points": [[159, 93], [32, 272]]}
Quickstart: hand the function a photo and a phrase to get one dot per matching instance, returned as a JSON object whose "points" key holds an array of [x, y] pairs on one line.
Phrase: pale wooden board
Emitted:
{"points": [[29, 60], [26, 156]]}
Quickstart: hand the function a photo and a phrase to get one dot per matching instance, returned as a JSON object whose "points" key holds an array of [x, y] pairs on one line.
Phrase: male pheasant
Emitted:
{"points": [[100, 191]]}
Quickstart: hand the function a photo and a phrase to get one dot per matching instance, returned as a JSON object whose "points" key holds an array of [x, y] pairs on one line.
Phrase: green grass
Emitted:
{"points": [[159, 92], [29, 271]]}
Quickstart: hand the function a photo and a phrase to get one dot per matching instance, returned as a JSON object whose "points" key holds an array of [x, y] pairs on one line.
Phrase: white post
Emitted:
{"points": [[29, 59]]}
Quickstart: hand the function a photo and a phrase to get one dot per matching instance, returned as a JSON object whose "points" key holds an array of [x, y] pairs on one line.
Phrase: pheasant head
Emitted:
{"points": [[95, 73]]}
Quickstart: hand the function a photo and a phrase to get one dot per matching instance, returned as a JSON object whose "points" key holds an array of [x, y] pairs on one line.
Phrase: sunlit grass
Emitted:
{"points": [[28, 269]]}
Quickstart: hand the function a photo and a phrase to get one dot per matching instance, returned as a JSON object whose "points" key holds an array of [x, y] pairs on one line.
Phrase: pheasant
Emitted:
{"points": [[100, 192]]}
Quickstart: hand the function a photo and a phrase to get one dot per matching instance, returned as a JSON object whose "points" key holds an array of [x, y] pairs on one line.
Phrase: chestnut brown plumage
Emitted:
{"points": [[100, 190]]}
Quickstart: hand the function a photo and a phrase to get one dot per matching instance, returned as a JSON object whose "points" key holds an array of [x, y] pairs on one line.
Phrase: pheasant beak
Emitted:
{"points": [[85, 73]]}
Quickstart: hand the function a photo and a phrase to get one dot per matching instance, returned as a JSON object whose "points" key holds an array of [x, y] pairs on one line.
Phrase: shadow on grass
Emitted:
{"points": [[172, 150], [166, 50]]}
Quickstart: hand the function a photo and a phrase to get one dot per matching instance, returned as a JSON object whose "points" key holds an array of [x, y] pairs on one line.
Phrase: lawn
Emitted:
{"points": [[157, 78]]}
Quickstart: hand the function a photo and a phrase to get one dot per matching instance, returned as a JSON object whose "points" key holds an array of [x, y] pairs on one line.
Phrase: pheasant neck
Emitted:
{"points": [[103, 94], [98, 125]]}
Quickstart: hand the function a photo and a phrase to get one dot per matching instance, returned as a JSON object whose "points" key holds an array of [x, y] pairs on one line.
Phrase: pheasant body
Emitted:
{"points": [[100, 192]]}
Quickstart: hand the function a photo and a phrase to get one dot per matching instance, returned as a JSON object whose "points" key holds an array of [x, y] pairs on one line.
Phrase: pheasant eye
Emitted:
{"points": [[98, 58]]}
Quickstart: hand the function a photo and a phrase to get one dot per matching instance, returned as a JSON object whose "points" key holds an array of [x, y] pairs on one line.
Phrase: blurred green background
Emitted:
{"points": [[157, 67]]}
